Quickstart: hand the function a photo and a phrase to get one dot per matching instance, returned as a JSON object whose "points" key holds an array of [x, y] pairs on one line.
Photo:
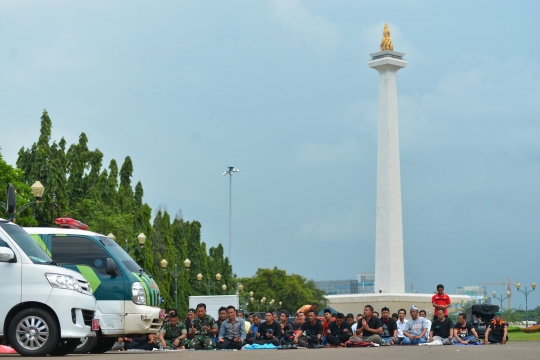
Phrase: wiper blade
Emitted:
{"points": [[52, 263]]}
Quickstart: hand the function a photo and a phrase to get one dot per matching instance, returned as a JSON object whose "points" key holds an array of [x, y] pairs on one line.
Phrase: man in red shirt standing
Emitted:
{"points": [[441, 301]]}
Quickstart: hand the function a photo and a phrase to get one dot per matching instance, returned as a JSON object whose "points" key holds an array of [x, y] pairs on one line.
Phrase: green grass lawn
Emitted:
{"points": [[521, 336]]}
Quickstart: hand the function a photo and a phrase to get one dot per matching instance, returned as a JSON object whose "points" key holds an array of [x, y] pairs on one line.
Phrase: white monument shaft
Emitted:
{"points": [[389, 263]]}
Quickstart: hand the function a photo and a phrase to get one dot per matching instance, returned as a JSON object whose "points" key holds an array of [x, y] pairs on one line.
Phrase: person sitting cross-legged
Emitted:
{"points": [[232, 332], [422, 313], [252, 333], [415, 329], [269, 332], [370, 329], [173, 335], [205, 328], [497, 332], [389, 328], [442, 329], [464, 332], [313, 331], [338, 331], [287, 330], [401, 322]]}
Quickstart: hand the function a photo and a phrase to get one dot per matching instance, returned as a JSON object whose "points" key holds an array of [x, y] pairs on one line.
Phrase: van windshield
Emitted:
{"points": [[26, 243], [130, 264]]}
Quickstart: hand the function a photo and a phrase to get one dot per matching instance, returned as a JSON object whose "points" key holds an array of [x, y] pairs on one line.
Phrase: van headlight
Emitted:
{"points": [[138, 295], [63, 282]]}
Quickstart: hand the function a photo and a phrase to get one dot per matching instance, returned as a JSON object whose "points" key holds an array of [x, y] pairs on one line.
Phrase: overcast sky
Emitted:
{"points": [[282, 91]]}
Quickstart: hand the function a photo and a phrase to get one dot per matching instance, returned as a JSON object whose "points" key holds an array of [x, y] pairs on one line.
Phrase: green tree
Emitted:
{"points": [[292, 290], [8, 174]]}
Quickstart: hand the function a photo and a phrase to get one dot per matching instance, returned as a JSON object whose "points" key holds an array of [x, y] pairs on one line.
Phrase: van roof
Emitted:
{"points": [[58, 230]]}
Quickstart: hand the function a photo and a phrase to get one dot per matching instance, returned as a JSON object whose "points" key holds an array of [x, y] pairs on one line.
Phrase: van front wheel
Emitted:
{"points": [[33, 332], [86, 345]]}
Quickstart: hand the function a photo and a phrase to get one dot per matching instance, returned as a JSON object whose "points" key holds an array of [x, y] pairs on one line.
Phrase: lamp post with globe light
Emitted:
{"points": [[501, 298], [142, 241], [526, 293], [175, 274], [11, 206], [210, 283]]}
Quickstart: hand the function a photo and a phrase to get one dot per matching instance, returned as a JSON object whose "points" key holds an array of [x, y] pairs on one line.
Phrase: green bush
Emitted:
{"points": [[512, 329]]}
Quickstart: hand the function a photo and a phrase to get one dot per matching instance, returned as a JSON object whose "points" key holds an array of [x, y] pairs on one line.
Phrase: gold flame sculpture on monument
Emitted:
{"points": [[386, 42]]}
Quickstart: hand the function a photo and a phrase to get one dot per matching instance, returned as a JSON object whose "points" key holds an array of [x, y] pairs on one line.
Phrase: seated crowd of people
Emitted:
{"points": [[232, 330]]}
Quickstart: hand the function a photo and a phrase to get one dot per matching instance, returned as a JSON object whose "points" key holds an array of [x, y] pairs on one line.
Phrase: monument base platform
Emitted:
{"points": [[354, 303]]}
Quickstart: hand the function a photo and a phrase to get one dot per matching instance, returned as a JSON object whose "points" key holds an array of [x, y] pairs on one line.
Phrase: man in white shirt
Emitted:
{"points": [[423, 314], [401, 325]]}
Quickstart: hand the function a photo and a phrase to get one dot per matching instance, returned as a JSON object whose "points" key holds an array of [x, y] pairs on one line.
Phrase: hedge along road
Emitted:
{"points": [[512, 350]]}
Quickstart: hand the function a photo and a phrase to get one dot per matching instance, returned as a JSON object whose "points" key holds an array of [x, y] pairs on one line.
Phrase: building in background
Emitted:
{"points": [[476, 291], [338, 287], [366, 283]]}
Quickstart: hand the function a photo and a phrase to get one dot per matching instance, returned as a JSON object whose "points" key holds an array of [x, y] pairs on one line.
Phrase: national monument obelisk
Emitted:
{"points": [[389, 263]]}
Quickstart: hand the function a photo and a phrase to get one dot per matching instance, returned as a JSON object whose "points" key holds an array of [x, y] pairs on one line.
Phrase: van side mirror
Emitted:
{"points": [[6, 254], [11, 203], [111, 267]]}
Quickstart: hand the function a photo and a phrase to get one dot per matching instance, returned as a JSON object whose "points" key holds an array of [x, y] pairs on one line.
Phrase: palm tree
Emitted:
{"points": [[511, 316]]}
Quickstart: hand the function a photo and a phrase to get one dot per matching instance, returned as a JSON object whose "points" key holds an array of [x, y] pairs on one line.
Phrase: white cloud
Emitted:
{"points": [[314, 30]]}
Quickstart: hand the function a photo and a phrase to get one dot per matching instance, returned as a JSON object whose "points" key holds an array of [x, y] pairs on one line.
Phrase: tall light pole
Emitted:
{"points": [[230, 171], [526, 293]]}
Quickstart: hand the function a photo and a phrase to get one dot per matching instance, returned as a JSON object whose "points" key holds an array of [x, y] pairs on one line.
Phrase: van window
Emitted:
{"points": [[26, 243], [75, 250]]}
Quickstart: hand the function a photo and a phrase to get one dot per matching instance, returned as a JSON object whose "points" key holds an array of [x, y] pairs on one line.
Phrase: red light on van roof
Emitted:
{"points": [[69, 223]]}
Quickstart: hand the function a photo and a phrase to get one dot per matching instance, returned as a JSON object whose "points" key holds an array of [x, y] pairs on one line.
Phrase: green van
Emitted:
{"points": [[127, 297]]}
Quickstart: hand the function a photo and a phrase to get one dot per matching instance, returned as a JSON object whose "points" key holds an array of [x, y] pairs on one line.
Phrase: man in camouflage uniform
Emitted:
{"points": [[173, 335], [205, 328]]}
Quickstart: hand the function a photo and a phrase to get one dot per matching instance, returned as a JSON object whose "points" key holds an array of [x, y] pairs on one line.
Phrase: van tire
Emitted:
{"points": [[65, 347], [104, 344], [87, 345], [23, 328]]}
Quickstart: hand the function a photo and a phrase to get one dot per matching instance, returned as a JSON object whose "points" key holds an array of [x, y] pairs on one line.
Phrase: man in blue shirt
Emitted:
{"points": [[232, 332]]}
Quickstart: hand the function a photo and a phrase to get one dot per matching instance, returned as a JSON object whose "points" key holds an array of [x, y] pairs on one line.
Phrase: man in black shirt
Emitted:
{"points": [[371, 328], [497, 332], [222, 313], [389, 328], [313, 330], [338, 331], [464, 332], [442, 328], [269, 332]]}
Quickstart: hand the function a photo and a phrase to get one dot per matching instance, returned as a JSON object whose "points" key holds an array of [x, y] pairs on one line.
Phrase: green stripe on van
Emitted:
{"points": [[148, 300], [90, 276], [39, 241]]}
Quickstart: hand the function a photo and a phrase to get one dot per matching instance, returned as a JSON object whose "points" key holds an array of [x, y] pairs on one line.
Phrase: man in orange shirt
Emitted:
{"points": [[441, 301], [307, 308]]}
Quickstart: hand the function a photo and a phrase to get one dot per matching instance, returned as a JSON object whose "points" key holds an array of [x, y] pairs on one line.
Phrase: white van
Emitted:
{"points": [[44, 308]]}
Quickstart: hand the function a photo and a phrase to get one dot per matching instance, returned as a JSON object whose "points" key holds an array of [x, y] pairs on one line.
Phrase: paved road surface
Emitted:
{"points": [[510, 351]]}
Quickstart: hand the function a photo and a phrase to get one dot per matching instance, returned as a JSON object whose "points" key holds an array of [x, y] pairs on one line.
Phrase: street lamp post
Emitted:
{"points": [[242, 296], [501, 298], [209, 283], [526, 293], [142, 241], [258, 302], [230, 171], [11, 206], [175, 274]]}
